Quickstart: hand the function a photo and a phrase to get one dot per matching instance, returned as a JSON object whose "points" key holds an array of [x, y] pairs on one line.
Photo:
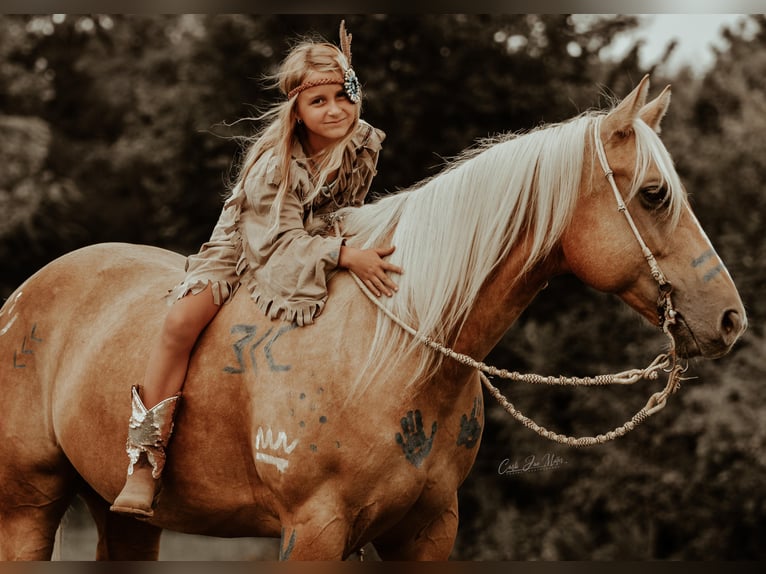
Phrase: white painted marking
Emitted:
{"points": [[13, 305], [268, 441], [280, 463], [4, 330], [264, 440]]}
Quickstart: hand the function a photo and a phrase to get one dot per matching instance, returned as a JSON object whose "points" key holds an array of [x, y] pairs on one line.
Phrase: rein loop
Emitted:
{"points": [[666, 362]]}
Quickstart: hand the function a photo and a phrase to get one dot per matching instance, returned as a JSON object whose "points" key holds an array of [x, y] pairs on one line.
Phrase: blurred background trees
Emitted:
{"points": [[123, 128]]}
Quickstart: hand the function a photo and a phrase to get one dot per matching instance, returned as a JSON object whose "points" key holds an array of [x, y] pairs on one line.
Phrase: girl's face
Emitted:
{"points": [[326, 112]]}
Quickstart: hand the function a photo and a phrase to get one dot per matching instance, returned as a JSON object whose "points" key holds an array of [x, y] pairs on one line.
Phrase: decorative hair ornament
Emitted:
{"points": [[345, 42], [351, 86], [349, 81], [306, 85]]}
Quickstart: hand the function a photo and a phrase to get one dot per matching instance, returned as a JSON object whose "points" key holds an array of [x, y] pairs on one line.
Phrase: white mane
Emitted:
{"points": [[451, 231]]}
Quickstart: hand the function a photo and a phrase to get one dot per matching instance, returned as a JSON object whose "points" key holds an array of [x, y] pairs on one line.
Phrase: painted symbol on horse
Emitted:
{"points": [[19, 361], [534, 206], [470, 428], [416, 445], [264, 441]]}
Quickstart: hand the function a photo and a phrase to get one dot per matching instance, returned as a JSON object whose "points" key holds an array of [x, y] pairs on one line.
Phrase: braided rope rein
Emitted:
{"points": [[664, 362]]}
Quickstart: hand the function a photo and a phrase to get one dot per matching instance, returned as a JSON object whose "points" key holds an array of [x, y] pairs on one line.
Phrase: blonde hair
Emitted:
{"points": [[282, 130]]}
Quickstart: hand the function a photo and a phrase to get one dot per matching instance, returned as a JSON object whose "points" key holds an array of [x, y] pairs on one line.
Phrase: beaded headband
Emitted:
{"points": [[349, 81]]}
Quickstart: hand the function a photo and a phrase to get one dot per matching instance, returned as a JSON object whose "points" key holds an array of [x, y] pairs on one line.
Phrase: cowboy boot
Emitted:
{"points": [[149, 431]]}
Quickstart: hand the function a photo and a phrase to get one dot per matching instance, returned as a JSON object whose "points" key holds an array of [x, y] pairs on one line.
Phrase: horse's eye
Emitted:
{"points": [[654, 196]]}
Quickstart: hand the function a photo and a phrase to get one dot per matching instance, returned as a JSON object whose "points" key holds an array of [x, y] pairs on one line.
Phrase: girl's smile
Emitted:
{"points": [[327, 114]]}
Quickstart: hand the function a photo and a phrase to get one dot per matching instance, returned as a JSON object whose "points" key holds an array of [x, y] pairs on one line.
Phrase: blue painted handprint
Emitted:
{"points": [[415, 445]]}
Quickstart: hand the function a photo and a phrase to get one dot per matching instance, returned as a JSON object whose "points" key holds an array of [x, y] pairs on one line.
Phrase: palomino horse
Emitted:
{"points": [[330, 436]]}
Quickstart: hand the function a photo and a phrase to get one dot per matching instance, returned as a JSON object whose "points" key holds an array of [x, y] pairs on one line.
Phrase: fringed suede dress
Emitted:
{"points": [[286, 273]]}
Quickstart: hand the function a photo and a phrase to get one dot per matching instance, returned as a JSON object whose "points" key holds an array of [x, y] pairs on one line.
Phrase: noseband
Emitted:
{"points": [[665, 362]]}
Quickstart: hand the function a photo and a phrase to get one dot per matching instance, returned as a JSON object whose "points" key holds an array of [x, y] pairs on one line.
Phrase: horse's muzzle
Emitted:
{"points": [[709, 344]]}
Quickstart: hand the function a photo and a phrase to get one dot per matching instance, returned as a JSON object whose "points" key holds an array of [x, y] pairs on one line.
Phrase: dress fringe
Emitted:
{"points": [[275, 308], [222, 290]]}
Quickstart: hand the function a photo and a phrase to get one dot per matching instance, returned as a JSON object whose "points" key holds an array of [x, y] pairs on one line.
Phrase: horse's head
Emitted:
{"points": [[602, 250]]}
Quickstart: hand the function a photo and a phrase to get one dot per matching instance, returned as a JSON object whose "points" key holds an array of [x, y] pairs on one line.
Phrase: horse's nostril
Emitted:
{"points": [[732, 325]]}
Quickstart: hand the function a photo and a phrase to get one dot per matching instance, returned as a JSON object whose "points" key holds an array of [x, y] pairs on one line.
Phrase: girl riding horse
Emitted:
{"points": [[315, 156]]}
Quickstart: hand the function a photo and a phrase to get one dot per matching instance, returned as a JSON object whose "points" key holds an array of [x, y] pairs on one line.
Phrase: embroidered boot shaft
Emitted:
{"points": [[149, 431]]}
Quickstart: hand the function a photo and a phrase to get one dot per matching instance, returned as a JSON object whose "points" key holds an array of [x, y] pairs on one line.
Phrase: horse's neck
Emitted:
{"points": [[501, 300]]}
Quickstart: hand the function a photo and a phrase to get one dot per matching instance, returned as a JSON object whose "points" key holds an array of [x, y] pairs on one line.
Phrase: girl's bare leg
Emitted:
{"points": [[169, 358]]}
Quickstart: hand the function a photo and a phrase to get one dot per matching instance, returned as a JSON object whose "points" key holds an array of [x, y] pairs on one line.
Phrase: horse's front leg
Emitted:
{"points": [[317, 530], [434, 541]]}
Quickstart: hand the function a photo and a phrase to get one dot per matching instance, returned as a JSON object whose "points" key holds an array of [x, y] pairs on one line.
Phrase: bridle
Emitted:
{"points": [[666, 362], [667, 314]]}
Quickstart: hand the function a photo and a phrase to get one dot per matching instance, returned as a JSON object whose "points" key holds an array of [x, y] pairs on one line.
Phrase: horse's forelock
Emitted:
{"points": [[650, 151]]}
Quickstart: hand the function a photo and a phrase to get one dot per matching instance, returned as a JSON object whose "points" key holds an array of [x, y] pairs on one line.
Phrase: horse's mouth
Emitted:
{"points": [[689, 345], [686, 344]]}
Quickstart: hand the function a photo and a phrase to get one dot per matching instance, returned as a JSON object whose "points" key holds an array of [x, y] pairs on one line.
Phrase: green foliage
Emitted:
{"points": [[123, 128]]}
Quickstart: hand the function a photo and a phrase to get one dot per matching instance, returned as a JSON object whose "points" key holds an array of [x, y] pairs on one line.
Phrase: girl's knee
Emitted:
{"points": [[182, 326]]}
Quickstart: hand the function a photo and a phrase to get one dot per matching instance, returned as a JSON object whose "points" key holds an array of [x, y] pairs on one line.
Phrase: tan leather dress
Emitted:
{"points": [[286, 273]]}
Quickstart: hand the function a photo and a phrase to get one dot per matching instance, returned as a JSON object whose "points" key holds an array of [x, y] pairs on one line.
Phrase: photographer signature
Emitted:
{"points": [[532, 463]]}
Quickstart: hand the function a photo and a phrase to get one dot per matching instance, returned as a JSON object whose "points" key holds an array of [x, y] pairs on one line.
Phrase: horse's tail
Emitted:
{"points": [[57, 553]]}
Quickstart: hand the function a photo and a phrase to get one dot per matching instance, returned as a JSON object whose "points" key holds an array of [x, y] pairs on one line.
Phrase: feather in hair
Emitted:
{"points": [[345, 42]]}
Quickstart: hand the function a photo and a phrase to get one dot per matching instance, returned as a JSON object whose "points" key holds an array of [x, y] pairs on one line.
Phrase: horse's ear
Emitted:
{"points": [[653, 112], [619, 122]]}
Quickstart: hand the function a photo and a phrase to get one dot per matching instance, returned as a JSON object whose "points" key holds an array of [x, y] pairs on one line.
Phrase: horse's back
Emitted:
{"points": [[110, 272], [94, 277], [74, 305]]}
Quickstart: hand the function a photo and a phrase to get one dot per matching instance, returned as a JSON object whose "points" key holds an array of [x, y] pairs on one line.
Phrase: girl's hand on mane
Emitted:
{"points": [[369, 266]]}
